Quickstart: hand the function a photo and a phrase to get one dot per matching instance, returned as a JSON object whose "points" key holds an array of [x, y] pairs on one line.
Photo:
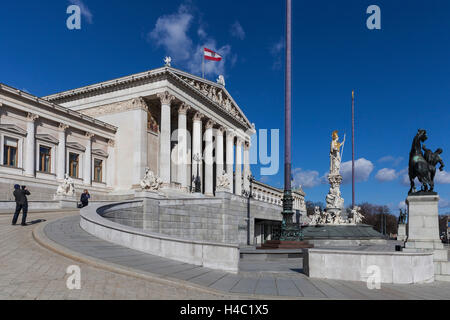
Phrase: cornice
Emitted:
{"points": [[55, 107], [234, 111]]}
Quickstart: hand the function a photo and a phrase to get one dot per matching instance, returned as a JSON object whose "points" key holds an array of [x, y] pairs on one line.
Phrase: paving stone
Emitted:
{"points": [[209, 278], [286, 287], [307, 289], [226, 283], [245, 285], [330, 291], [266, 286]]}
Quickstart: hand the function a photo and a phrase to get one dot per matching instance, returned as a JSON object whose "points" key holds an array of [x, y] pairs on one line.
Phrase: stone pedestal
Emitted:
{"points": [[423, 231], [423, 222], [401, 232], [142, 194], [66, 202]]}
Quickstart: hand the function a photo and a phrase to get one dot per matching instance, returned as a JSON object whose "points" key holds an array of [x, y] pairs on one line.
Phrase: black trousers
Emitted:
{"points": [[24, 209]]}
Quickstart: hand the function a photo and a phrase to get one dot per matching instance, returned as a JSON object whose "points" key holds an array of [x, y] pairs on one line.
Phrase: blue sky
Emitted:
{"points": [[400, 73]]}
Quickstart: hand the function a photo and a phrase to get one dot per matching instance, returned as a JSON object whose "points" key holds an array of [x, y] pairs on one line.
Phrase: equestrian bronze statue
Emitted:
{"points": [[423, 166]]}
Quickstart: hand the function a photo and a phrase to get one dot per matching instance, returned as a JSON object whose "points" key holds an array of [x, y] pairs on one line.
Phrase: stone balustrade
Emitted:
{"points": [[265, 193]]}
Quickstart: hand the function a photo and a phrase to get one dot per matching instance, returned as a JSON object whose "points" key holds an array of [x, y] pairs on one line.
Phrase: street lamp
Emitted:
{"points": [[197, 181], [249, 195]]}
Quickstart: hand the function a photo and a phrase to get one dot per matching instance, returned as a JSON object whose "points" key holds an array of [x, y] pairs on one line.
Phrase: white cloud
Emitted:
{"points": [[237, 31], [386, 175], [402, 205], [404, 177], [442, 177], [363, 169], [307, 179], [276, 51], [171, 32], [395, 161], [85, 12]]}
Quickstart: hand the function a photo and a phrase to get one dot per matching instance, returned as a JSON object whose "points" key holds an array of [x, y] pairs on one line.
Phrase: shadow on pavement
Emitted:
{"points": [[35, 222]]}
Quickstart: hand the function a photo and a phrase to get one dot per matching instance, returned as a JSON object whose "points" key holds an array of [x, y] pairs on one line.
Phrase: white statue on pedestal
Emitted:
{"points": [[223, 182], [357, 216], [335, 154], [221, 80], [335, 203], [150, 181], [168, 61], [67, 188]]}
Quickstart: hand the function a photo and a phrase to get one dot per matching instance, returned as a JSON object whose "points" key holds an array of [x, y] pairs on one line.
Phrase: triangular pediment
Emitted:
{"points": [[47, 138], [216, 93], [76, 145], [13, 129], [100, 153]]}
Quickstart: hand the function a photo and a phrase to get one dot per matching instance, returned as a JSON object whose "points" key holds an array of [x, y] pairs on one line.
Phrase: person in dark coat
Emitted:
{"points": [[20, 196], [85, 196]]}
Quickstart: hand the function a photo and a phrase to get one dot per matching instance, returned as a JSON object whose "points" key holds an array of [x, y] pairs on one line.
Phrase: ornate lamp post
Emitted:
{"points": [[249, 195], [197, 181], [289, 230]]}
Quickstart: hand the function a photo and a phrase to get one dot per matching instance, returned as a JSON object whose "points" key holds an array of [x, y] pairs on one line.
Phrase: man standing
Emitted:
{"points": [[21, 204]]}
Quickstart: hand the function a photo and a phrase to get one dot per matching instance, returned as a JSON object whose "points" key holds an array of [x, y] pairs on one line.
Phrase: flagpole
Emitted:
{"points": [[353, 149], [203, 63]]}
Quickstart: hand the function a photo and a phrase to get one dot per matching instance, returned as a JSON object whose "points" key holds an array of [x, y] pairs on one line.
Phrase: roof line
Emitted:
{"points": [[55, 106]]}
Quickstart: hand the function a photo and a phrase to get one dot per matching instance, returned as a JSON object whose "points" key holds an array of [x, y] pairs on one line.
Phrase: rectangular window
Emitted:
{"points": [[10, 152], [98, 170], [74, 164], [45, 159]]}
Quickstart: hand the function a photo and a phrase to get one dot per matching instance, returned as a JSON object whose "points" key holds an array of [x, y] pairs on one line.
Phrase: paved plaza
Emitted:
{"points": [[29, 271], [34, 259]]}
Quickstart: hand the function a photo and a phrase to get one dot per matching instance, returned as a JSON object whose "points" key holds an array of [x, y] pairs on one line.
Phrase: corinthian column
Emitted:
{"points": [[247, 171], [87, 177], [30, 161], [230, 159], [197, 144], [61, 166], [209, 160], [219, 151], [238, 171], [182, 145], [165, 137]]}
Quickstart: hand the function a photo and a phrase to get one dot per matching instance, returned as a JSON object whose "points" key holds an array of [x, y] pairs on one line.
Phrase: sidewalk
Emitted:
{"points": [[67, 237]]}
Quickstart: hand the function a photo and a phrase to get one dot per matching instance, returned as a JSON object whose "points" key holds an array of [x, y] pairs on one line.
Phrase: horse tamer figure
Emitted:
{"points": [[423, 167]]}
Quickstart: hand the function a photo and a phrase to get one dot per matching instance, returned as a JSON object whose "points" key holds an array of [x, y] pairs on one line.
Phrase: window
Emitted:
{"points": [[74, 163], [10, 152], [45, 159], [98, 168]]}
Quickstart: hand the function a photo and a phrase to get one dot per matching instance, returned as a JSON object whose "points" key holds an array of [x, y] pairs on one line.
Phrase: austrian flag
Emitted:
{"points": [[211, 55]]}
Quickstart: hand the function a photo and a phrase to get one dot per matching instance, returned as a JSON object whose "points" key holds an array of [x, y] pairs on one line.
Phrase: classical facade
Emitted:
{"points": [[109, 135], [41, 141]]}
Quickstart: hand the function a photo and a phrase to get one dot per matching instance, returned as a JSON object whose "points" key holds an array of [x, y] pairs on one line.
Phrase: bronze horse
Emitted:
{"points": [[418, 166]]}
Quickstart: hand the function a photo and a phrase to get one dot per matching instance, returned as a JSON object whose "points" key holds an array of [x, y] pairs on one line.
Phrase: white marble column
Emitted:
{"points": [[219, 151], [230, 158], [197, 144], [182, 146], [110, 168], [165, 137], [238, 171], [209, 160], [30, 161], [87, 177], [247, 171], [61, 165]]}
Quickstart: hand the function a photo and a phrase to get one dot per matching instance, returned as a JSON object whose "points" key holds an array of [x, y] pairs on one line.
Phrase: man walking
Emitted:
{"points": [[21, 204]]}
